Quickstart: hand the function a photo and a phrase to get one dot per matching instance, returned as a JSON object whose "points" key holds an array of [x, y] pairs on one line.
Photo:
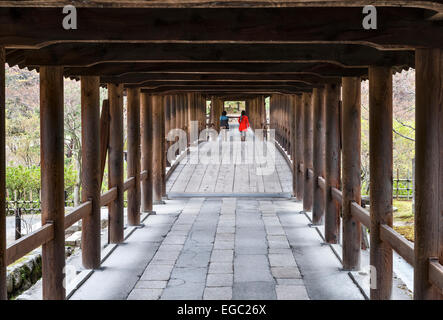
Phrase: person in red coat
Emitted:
{"points": [[244, 125]]}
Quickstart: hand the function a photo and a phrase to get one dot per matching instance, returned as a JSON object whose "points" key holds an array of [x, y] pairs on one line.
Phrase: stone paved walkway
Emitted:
{"points": [[221, 250]]}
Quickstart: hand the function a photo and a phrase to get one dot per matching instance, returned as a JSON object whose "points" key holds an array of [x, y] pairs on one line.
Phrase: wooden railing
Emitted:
{"points": [[45, 233], [396, 241]]}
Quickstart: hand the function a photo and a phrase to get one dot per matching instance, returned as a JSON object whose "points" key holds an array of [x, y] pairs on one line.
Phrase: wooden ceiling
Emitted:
{"points": [[254, 46]]}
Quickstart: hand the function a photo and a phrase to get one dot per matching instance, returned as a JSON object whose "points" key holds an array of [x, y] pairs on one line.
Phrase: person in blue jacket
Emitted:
{"points": [[224, 124]]}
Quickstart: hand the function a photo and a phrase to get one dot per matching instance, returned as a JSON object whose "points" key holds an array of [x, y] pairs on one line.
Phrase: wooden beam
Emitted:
{"points": [[225, 90], [318, 207], [307, 150], [133, 160], [299, 146], [380, 161], [91, 174], [3, 265], [402, 27], [115, 162], [332, 162], [428, 171], [351, 129], [429, 4], [122, 69], [52, 180], [147, 148], [88, 54], [139, 79]]}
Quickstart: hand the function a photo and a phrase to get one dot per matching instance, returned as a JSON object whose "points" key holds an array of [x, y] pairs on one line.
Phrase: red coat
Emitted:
{"points": [[244, 123]]}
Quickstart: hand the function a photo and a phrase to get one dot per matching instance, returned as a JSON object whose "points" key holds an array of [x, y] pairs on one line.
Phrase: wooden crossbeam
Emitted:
{"points": [[139, 79], [397, 28], [429, 4], [89, 54], [123, 69]]}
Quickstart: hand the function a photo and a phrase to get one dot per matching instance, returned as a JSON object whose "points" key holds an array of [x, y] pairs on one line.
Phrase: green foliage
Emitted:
{"points": [[22, 180]]}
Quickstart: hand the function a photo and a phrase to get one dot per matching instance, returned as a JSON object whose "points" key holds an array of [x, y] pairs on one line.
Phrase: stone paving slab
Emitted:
{"points": [[220, 249]]}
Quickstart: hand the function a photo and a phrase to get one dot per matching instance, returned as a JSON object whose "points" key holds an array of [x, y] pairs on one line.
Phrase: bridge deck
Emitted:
{"points": [[225, 247]]}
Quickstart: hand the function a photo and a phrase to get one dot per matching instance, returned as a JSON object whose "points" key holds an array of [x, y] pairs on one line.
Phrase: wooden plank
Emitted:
{"points": [[29, 242], [196, 178], [78, 213], [361, 214], [321, 183], [109, 196], [148, 25], [337, 195], [88, 54], [436, 274], [129, 184], [210, 178], [397, 242], [52, 180]]}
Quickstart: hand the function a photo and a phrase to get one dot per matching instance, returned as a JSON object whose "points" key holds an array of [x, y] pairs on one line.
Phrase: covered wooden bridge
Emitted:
{"points": [[170, 57]]}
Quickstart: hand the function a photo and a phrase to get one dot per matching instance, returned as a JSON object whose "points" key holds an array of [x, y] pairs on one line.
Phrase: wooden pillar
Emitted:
{"points": [[147, 148], [428, 169], [380, 164], [157, 148], [332, 162], [318, 206], [134, 166], [190, 101], [167, 114], [115, 163], [351, 129], [294, 145], [91, 174], [52, 180], [307, 147], [299, 147], [164, 146], [3, 293], [218, 109]]}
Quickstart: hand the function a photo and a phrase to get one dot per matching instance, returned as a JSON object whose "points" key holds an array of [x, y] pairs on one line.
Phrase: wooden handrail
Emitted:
{"points": [[78, 213], [361, 214], [128, 184], [321, 183], [310, 173], [31, 241], [398, 243], [301, 167], [143, 175], [337, 195], [108, 196], [436, 274]]}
